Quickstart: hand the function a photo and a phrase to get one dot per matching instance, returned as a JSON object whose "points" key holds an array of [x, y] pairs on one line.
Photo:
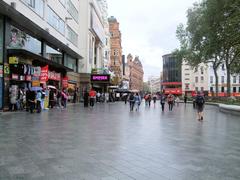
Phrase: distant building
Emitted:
{"points": [[116, 49], [154, 84], [172, 81], [135, 70], [195, 79]]}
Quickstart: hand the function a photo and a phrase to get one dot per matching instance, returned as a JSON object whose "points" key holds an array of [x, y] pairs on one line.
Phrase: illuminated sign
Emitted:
{"points": [[100, 77]]}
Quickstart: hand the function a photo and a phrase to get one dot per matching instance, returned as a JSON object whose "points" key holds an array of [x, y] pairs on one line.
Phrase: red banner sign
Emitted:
{"points": [[65, 82], [54, 76], [44, 74]]}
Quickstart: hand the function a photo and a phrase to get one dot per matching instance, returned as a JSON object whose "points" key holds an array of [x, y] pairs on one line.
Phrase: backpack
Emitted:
{"points": [[42, 95], [131, 98], [200, 100]]}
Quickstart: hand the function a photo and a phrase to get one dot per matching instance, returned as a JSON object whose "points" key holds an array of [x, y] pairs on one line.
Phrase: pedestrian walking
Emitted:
{"points": [[177, 101], [131, 101], [64, 98], [185, 99], [43, 94], [137, 100], [92, 95], [162, 101], [170, 99], [154, 99], [59, 95], [146, 99], [98, 97], [51, 98], [149, 100], [200, 101], [86, 98], [31, 101], [38, 101]]}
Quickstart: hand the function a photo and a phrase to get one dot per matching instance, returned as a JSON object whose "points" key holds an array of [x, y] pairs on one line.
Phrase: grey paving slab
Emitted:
{"points": [[108, 142]]}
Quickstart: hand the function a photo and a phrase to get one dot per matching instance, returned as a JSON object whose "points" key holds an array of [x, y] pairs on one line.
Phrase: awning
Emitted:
{"points": [[37, 59]]}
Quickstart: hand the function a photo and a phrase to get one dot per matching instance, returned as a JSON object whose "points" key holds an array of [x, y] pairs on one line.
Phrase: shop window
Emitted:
{"points": [[55, 21], [20, 40], [202, 79], [72, 36], [35, 5], [70, 63], [53, 55], [72, 10], [211, 89]]}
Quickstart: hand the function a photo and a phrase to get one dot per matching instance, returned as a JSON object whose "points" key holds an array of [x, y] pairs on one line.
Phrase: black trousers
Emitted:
{"points": [[38, 107], [92, 102], [162, 104], [170, 104]]}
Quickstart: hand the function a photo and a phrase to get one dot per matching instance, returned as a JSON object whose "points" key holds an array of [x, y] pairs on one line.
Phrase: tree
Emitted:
{"points": [[212, 35], [198, 40]]}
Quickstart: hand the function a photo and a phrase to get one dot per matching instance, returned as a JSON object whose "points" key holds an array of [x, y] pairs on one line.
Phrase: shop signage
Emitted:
{"points": [[35, 83], [15, 76], [6, 69], [36, 71], [65, 82], [44, 74], [54, 76], [100, 77], [13, 60], [28, 78], [1, 71]]}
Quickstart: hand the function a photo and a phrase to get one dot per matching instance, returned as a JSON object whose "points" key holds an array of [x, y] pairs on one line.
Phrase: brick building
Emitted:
{"points": [[116, 49], [135, 70]]}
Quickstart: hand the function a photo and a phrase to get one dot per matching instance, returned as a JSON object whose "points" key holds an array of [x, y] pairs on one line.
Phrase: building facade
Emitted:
{"points": [[172, 80], [116, 50], [154, 84], [135, 70], [39, 36], [195, 79], [222, 81]]}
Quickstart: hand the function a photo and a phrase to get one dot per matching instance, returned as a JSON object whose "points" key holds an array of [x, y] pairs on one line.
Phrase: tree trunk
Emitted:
{"points": [[216, 80], [228, 80]]}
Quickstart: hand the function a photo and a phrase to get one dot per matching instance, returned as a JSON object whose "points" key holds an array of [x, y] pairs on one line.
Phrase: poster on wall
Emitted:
{"points": [[65, 82]]}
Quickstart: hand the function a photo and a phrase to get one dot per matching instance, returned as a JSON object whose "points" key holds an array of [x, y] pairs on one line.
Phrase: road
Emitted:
{"points": [[108, 142]]}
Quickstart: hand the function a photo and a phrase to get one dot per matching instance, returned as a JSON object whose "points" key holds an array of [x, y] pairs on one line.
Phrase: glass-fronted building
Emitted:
{"points": [[171, 81]]}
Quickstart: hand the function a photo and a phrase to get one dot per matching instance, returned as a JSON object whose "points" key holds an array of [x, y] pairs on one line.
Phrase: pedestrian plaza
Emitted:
{"points": [[108, 142]]}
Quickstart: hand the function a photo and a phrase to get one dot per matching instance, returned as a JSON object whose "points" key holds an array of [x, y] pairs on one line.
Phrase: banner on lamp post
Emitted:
{"points": [[65, 82]]}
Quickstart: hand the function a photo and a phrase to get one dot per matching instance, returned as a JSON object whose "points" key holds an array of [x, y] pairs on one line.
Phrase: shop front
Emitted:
{"points": [[100, 82]]}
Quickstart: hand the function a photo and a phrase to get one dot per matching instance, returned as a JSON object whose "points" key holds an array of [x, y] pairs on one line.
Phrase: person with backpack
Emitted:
{"points": [[137, 100], [200, 101], [162, 101], [131, 101], [170, 99]]}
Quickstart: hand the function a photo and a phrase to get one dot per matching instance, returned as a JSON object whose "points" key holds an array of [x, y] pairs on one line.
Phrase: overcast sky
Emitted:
{"points": [[149, 28]]}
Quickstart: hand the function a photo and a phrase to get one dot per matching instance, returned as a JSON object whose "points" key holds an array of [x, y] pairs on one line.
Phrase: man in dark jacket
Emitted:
{"points": [[200, 101]]}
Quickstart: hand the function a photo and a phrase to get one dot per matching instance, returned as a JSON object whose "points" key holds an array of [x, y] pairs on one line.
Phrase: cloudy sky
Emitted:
{"points": [[148, 28]]}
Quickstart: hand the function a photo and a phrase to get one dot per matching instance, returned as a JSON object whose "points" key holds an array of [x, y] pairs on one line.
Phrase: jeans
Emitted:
{"points": [[132, 105]]}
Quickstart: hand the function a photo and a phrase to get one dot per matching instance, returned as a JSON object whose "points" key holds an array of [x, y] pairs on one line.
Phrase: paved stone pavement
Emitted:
{"points": [[108, 142]]}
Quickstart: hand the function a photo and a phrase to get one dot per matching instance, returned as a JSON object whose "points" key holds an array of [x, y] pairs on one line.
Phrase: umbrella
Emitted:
{"points": [[51, 87], [36, 88]]}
